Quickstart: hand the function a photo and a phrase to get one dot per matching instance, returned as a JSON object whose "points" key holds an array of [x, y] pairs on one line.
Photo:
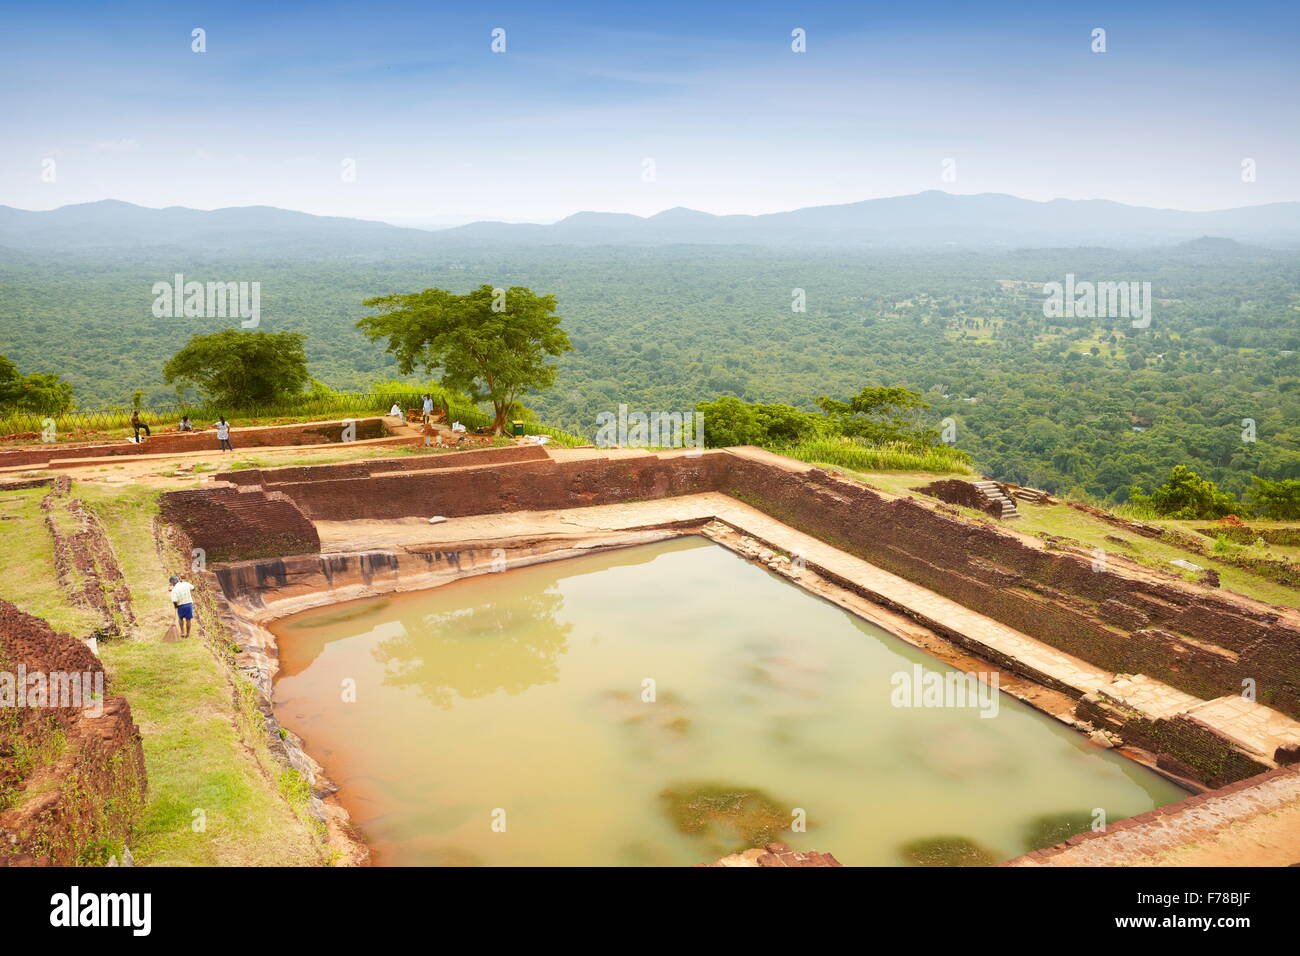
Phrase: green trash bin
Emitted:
{"points": [[518, 429]]}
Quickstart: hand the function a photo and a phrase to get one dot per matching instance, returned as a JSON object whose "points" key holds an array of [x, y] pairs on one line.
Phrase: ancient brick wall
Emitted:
{"points": [[26, 483], [237, 524], [511, 486], [957, 492], [1245, 534], [1200, 643], [1163, 818], [84, 561], [24, 455], [1182, 744], [269, 477], [168, 443], [71, 783]]}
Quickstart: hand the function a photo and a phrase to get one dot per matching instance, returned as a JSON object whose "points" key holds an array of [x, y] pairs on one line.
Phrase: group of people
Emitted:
{"points": [[222, 426], [426, 410]]}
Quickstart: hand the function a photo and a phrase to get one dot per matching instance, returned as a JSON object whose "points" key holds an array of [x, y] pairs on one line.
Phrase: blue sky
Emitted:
{"points": [[733, 120]]}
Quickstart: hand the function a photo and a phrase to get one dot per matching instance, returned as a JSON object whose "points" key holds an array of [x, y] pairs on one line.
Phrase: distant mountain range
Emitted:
{"points": [[928, 219], [924, 219], [112, 225]]}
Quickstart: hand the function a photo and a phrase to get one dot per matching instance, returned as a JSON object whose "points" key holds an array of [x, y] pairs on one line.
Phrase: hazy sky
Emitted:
{"points": [[734, 121]]}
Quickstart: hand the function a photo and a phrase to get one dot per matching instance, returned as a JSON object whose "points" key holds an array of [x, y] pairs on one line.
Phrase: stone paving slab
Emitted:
{"points": [[1150, 696], [1249, 723]]}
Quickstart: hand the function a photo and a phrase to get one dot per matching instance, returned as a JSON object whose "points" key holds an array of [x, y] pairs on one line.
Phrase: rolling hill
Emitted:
{"points": [[929, 219]]}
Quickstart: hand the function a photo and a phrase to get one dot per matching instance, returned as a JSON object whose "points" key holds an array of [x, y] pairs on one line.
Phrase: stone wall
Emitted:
{"points": [[236, 524], [271, 477], [1182, 744], [1245, 534], [957, 492], [497, 487], [1201, 643], [72, 783], [84, 561], [24, 483], [173, 442]]}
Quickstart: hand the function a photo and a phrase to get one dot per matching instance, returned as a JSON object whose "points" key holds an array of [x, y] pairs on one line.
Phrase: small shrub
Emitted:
{"points": [[294, 787]]}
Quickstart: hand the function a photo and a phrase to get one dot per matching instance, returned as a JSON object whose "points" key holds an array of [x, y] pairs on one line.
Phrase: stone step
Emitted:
{"points": [[992, 491]]}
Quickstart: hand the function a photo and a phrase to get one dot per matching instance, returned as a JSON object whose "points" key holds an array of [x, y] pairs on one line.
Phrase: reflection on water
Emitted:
{"points": [[474, 651], [652, 706]]}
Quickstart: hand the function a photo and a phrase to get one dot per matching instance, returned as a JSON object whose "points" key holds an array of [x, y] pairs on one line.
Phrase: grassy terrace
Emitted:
{"points": [[853, 458], [203, 749], [27, 573], [1090, 532]]}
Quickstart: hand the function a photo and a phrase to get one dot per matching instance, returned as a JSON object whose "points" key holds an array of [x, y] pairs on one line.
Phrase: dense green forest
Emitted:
{"points": [[1073, 405]]}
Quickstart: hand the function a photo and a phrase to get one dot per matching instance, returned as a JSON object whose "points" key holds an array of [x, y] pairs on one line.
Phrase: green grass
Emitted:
{"points": [[558, 437], [1090, 532], [203, 748], [115, 426], [1062, 520], [28, 576], [114, 423], [939, 460], [200, 774]]}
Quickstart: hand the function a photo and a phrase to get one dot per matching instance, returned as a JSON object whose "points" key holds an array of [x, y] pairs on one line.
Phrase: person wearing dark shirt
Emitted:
{"points": [[137, 426]]}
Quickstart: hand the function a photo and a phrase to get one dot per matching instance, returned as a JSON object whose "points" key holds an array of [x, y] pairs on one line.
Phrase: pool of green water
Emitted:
{"points": [[664, 705]]}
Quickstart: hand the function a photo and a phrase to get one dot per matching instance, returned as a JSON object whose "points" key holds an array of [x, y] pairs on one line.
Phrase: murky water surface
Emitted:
{"points": [[500, 720]]}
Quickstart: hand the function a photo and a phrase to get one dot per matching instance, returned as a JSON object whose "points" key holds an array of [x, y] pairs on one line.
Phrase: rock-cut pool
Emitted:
{"points": [[663, 705]]}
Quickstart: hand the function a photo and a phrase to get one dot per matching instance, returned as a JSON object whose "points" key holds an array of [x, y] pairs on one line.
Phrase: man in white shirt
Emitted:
{"points": [[183, 598]]}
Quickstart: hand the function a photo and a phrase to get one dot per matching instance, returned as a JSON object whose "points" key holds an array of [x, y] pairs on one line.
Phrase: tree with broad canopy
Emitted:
{"points": [[489, 343], [242, 369]]}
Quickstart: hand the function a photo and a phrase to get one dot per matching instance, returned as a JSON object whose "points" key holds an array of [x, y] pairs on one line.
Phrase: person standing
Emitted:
{"points": [[183, 600], [138, 425], [223, 434], [427, 408]]}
